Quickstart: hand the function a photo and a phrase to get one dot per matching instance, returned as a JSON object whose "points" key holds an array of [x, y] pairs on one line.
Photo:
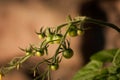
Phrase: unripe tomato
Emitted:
{"points": [[80, 32], [68, 53], [27, 53], [57, 38], [41, 35], [49, 38], [72, 32], [54, 66], [39, 53]]}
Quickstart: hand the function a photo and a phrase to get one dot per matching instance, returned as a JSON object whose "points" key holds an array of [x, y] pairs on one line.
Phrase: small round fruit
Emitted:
{"points": [[41, 36], [27, 53], [57, 38], [49, 38], [80, 32], [72, 33], [54, 67], [38, 53], [68, 53]]}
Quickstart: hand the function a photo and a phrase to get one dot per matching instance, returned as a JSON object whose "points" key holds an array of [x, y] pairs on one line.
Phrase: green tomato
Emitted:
{"points": [[27, 53], [41, 35], [68, 53], [49, 38], [54, 66], [80, 32], [72, 32], [39, 53], [57, 38]]}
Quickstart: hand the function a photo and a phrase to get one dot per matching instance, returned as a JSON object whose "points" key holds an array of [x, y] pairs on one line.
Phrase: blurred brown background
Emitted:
{"points": [[20, 18]]}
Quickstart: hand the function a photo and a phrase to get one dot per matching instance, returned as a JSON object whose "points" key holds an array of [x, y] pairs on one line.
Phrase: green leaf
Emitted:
{"points": [[105, 55], [112, 69], [103, 74], [112, 77], [89, 71], [116, 60], [93, 70]]}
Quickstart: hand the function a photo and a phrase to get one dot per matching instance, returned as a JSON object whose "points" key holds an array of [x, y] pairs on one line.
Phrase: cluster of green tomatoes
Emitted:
{"points": [[51, 36]]}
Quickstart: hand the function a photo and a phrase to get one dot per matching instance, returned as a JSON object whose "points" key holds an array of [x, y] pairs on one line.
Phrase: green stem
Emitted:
{"points": [[49, 74], [102, 23], [41, 63], [87, 19], [63, 25], [63, 39], [24, 58], [5, 70]]}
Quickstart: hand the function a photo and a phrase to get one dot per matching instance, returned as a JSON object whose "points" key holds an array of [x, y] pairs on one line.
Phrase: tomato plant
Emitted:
{"points": [[92, 71]]}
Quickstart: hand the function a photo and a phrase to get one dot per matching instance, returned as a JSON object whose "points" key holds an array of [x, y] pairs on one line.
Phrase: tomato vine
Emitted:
{"points": [[50, 36]]}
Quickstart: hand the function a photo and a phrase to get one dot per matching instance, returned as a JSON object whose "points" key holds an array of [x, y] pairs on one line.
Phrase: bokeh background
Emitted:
{"points": [[19, 19]]}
